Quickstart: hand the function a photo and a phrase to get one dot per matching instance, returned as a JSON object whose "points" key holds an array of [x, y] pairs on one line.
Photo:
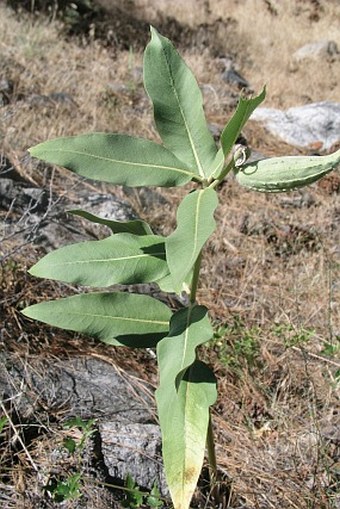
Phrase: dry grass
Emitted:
{"points": [[267, 34], [271, 271]]}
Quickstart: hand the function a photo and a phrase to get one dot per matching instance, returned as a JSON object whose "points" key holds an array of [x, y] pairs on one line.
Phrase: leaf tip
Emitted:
{"points": [[154, 32], [26, 312]]}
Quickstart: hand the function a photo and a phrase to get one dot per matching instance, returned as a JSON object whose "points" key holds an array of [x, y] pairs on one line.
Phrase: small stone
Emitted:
{"points": [[134, 450], [231, 76], [323, 49], [309, 126]]}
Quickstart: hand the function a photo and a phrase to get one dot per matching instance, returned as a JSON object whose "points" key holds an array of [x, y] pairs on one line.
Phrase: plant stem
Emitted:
{"points": [[211, 453], [224, 173]]}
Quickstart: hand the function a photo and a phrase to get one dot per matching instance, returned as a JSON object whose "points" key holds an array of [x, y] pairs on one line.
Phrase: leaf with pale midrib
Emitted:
{"points": [[178, 108], [119, 259], [195, 224], [187, 388], [238, 120], [116, 158], [107, 316]]}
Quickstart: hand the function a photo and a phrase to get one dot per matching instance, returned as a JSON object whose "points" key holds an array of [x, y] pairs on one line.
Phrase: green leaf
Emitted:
{"points": [[119, 259], [183, 400], [154, 499], [116, 158], [189, 328], [166, 284], [177, 103], [115, 318], [235, 125], [136, 226], [184, 420], [218, 165], [70, 445], [3, 422], [195, 224]]}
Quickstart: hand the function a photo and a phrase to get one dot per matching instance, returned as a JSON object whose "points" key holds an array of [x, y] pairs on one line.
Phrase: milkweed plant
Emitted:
{"points": [[134, 254]]}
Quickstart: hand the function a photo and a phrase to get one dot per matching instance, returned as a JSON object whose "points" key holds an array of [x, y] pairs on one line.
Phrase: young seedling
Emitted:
{"points": [[134, 254]]}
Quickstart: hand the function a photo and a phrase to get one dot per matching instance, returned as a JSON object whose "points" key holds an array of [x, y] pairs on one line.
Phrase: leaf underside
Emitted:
{"points": [[115, 318], [119, 259], [184, 420], [116, 158], [195, 224], [187, 389], [177, 103]]}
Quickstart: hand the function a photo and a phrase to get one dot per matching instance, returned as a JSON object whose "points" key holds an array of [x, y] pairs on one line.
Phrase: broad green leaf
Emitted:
{"points": [[189, 328], [178, 108], [119, 259], [183, 400], [135, 226], [116, 158], [184, 420], [116, 318], [195, 224], [167, 286], [235, 125]]}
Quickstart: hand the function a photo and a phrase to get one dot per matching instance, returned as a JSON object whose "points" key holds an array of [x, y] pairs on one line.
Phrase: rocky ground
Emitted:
{"points": [[77, 418]]}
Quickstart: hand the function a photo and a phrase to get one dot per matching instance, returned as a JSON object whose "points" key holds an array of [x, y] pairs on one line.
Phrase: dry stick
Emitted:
{"points": [[315, 356], [17, 436]]}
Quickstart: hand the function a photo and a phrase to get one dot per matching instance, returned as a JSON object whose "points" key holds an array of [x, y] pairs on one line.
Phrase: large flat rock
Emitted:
{"points": [[314, 126]]}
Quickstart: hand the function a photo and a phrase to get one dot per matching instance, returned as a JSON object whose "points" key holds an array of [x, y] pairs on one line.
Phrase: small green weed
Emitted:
{"points": [[66, 489], [236, 345], [331, 349], [86, 428], [292, 336], [69, 488], [3, 422], [136, 498]]}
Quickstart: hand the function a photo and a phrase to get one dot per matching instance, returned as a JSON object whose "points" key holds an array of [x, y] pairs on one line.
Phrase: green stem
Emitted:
{"points": [[224, 173], [211, 453]]}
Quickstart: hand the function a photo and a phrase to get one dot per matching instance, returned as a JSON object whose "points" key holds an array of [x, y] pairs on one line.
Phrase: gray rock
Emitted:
{"points": [[126, 442], [51, 100], [323, 49], [315, 125], [84, 387], [21, 197], [135, 450], [230, 75], [38, 216], [109, 207]]}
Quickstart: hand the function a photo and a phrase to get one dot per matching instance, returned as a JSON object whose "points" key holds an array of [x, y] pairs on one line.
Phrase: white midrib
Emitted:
{"points": [[119, 318], [108, 260], [191, 141], [118, 161]]}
